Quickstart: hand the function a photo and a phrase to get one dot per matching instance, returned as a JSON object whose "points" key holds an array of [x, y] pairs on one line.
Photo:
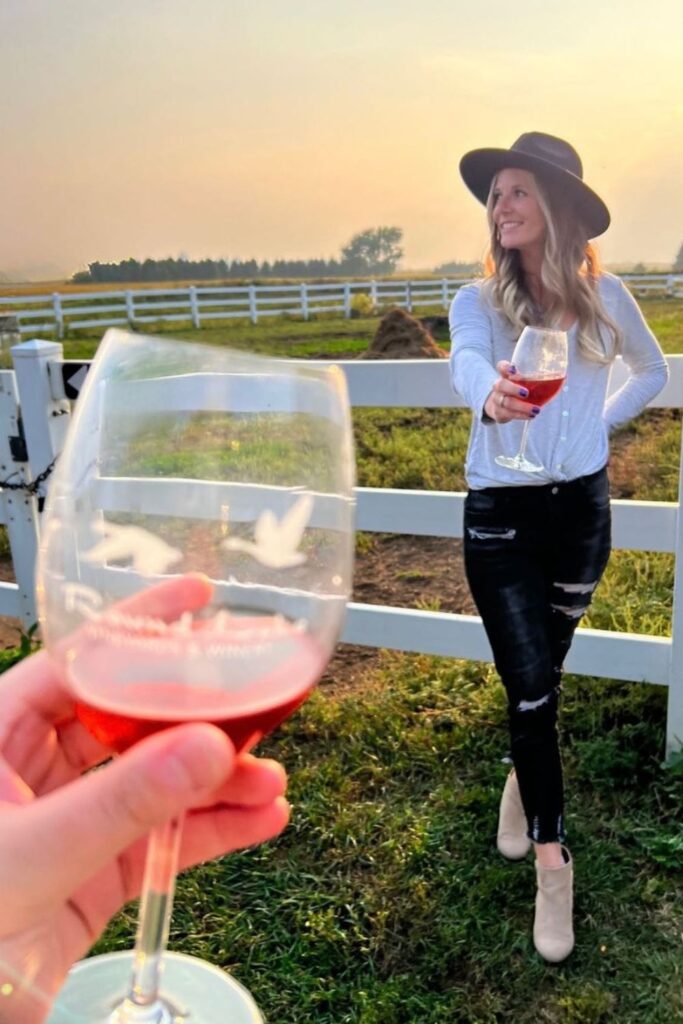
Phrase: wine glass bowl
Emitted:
{"points": [[540, 359], [196, 561]]}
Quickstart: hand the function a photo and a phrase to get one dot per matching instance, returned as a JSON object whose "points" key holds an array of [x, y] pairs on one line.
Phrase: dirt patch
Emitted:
{"points": [[401, 571]]}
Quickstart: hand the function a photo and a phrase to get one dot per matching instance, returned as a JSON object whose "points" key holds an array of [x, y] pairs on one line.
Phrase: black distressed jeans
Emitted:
{"points": [[533, 557]]}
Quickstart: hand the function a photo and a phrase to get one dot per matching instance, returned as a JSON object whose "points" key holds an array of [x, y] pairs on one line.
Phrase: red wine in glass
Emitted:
{"points": [[540, 357], [263, 669], [541, 389]]}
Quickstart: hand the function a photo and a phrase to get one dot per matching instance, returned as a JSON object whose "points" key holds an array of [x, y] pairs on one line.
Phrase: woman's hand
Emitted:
{"points": [[506, 400], [72, 845]]}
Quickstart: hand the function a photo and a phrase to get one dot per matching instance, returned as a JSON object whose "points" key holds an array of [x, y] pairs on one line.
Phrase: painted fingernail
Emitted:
{"points": [[512, 369], [523, 392], [535, 410]]}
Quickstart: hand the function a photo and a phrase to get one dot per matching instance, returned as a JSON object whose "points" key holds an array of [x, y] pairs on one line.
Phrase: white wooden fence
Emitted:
{"points": [[38, 384], [64, 311], [198, 305]]}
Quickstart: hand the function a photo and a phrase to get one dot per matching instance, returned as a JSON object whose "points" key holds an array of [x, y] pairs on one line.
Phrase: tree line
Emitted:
{"points": [[372, 251], [181, 269]]}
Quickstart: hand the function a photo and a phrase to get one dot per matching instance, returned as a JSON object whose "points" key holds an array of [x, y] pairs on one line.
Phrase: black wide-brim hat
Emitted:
{"points": [[553, 160]]}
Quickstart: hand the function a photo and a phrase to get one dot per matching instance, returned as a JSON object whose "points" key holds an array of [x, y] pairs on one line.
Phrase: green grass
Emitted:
{"points": [[666, 320], [421, 449], [214, 446], [385, 901], [280, 336]]}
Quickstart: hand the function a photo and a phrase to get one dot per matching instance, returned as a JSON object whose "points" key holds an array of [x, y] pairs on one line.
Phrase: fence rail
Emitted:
{"points": [[638, 525], [195, 305]]}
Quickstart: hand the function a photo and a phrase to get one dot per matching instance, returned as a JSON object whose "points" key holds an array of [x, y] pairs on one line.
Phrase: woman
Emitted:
{"points": [[537, 544]]}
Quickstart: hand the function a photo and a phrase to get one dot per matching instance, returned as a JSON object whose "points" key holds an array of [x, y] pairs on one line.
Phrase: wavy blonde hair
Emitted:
{"points": [[569, 273]]}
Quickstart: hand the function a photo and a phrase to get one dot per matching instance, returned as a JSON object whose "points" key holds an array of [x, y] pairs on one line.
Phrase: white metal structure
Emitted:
{"points": [[201, 304], [637, 525]]}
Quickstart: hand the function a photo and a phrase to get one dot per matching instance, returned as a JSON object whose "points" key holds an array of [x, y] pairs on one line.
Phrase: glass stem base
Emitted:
{"points": [[191, 992], [518, 462]]}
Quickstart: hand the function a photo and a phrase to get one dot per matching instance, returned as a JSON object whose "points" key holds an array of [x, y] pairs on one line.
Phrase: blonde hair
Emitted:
{"points": [[569, 274]]}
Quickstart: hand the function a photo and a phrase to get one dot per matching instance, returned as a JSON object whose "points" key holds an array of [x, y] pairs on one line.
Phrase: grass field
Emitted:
{"points": [[385, 901]]}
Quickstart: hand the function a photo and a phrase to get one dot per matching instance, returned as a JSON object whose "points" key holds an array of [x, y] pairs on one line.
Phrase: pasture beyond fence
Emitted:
{"points": [[65, 311], [34, 415]]}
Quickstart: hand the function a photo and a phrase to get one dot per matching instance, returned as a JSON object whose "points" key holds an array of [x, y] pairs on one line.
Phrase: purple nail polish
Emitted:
{"points": [[535, 410], [523, 393], [512, 369]]}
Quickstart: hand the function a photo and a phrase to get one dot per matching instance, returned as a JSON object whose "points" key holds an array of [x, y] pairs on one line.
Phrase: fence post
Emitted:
{"points": [[20, 507], [44, 418], [373, 294], [59, 315], [444, 293], [194, 307], [253, 308], [130, 307], [409, 297], [304, 301], [347, 300], [670, 285], [674, 716]]}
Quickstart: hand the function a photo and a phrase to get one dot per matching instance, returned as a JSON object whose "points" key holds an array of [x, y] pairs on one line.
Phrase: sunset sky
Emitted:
{"points": [[258, 128]]}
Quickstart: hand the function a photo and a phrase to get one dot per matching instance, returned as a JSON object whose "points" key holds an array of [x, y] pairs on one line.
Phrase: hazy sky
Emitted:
{"points": [[263, 128]]}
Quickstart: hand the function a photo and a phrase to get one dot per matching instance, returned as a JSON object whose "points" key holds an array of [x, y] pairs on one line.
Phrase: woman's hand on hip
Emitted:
{"points": [[509, 400]]}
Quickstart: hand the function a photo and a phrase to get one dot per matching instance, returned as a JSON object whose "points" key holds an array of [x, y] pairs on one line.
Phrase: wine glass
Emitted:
{"points": [[540, 358], [185, 459]]}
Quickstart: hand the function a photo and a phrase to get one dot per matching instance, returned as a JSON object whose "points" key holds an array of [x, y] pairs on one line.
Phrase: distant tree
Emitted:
{"points": [[678, 265], [373, 251]]}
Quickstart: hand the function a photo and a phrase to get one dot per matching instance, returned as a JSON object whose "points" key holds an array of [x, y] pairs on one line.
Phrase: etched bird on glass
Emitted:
{"points": [[277, 541]]}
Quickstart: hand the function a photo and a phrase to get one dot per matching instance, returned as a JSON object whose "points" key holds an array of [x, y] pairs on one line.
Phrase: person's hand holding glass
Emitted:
{"points": [[230, 476], [72, 841]]}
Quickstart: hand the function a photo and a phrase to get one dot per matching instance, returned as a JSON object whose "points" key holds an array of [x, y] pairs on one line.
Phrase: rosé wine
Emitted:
{"points": [[245, 674]]}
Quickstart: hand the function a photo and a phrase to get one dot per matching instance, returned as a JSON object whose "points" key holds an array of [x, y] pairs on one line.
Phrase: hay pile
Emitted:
{"points": [[401, 336]]}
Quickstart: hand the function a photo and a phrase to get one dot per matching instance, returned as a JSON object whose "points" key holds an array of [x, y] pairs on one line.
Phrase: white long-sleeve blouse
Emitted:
{"points": [[570, 435]]}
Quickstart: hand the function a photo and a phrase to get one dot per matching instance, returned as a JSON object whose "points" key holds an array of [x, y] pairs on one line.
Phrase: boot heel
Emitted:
{"points": [[512, 840]]}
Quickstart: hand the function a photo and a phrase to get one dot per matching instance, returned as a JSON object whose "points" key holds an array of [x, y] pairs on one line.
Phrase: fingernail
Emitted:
{"points": [[524, 393], [512, 369], [535, 410]]}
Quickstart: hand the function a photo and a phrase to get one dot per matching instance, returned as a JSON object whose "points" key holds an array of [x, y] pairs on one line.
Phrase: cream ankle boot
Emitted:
{"points": [[512, 841], [553, 928]]}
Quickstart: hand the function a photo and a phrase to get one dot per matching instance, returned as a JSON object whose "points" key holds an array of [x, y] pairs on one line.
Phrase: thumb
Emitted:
{"points": [[72, 833]]}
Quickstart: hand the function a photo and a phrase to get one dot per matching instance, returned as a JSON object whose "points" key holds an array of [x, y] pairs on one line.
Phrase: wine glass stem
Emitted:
{"points": [[142, 1003], [522, 446]]}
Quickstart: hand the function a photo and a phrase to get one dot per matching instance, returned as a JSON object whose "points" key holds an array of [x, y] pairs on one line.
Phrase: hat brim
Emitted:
{"points": [[479, 167]]}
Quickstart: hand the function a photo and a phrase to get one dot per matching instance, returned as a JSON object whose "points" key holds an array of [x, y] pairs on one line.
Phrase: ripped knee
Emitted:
{"points": [[573, 599], [535, 705], [533, 718]]}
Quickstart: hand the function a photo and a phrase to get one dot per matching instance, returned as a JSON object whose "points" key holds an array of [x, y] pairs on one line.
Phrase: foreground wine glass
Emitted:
{"points": [[540, 358], [182, 459]]}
